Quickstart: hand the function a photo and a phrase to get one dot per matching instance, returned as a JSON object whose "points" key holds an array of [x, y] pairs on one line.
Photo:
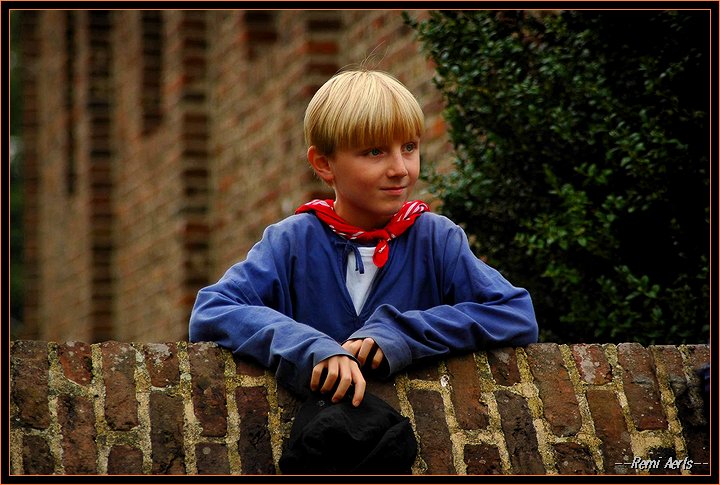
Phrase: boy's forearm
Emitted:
{"points": [[270, 338], [409, 336]]}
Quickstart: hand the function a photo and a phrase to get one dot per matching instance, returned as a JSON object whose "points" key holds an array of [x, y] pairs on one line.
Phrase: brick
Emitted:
{"points": [[482, 459], [611, 430], [37, 458], [592, 364], [672, 361], [212, 459], [698, 355], [520, 436], [77, 421], [76, 361], [327, 24], [471, 411], [162, 363], [426, 371], [385, 390], [503, 365], [641, 387], [248, 368], [121, 406], [207, 364], [560, 405], [434, 446], [319, 47], [166, 435], [323, 68], [254, 444], [125, 460], [573, 459], [29, 369]]}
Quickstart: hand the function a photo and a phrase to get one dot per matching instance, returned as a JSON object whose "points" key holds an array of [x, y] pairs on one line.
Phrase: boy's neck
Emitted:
{"points": [[365, 223]]}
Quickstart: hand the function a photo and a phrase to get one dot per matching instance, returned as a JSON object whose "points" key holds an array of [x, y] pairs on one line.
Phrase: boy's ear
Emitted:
{"points": [[321, 164]]}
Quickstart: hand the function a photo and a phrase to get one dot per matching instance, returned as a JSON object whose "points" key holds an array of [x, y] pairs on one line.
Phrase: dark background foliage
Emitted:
{"points": [[582, 168]]}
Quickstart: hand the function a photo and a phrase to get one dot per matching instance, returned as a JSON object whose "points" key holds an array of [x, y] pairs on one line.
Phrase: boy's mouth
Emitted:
{"points": [[394, 190]]}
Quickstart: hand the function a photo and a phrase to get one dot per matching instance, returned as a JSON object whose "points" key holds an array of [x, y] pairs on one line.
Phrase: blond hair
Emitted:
{"points": [[361, 108]]}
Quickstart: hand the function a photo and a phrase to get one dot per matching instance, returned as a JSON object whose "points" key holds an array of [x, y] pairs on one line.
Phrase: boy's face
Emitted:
{"points": [[372, 183]]}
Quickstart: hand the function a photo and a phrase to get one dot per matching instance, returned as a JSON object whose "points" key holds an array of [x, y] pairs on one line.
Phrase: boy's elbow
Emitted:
{"points": [[195, 328], [532, 332], [528, 332], [521, 333], [198, 325], [516, 325]]}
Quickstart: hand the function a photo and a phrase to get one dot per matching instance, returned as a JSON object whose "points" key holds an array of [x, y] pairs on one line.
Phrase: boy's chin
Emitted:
{"points": [[396, 206]]}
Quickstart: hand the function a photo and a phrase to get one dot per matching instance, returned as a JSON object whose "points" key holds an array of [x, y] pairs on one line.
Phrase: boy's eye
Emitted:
{"points": [[410, 146], [374, 152]]}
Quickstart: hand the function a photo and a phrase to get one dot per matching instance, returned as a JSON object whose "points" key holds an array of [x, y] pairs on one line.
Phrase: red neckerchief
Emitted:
{"points": [[399, 223]]}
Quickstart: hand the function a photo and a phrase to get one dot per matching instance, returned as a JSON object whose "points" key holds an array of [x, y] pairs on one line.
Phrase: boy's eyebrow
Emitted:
{"points": [[415, 139]]}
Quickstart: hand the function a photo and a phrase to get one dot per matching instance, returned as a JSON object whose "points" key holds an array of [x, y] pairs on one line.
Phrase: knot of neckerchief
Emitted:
{"points": [[399, 223]]}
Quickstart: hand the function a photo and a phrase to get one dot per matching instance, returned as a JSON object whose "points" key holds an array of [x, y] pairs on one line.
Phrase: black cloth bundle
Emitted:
{"points": [[326, 438]]}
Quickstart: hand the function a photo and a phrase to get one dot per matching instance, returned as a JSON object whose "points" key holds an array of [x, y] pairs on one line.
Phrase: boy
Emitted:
{"points": [[368, 278]]}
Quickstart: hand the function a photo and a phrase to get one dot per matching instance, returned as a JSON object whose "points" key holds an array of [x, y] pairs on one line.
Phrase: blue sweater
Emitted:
{"points": [[287, 305]]}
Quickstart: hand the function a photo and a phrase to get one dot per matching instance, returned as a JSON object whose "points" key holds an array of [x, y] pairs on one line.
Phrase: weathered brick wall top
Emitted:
{"points": [[180, 408]]}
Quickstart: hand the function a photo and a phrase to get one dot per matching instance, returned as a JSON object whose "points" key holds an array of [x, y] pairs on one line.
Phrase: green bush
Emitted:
{"points": [[582, 167]]}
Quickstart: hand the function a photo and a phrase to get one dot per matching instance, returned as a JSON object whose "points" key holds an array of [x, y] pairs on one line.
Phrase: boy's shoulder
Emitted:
{"points": [[294, 225], [435, 222], [435, 218]]}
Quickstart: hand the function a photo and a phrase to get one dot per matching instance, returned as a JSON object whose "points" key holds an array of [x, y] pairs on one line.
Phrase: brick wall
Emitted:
{"points": [[161, 170], [179, 408], [29, 52], [159, 145]]}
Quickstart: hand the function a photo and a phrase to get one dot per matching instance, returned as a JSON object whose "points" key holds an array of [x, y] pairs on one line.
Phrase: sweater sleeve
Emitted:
{"points": [[480, 309], [247, 313]]}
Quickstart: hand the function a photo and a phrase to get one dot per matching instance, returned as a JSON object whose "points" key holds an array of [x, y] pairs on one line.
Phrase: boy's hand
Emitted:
{"points": [[362, 348], [343, 370]]}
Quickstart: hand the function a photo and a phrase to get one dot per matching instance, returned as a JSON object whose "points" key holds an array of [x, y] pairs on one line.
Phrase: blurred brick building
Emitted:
{"points": [[159, 144]]}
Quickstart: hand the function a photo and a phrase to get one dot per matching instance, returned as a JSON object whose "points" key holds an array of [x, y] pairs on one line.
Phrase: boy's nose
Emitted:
{"points": [[397, 167]]}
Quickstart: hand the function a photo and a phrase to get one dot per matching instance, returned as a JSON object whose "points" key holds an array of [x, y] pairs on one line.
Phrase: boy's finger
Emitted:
{"points": [[378, 358], [365, 349], [332, 374], [352, 346], [345, 381], [359, 389], [315, 377]]}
